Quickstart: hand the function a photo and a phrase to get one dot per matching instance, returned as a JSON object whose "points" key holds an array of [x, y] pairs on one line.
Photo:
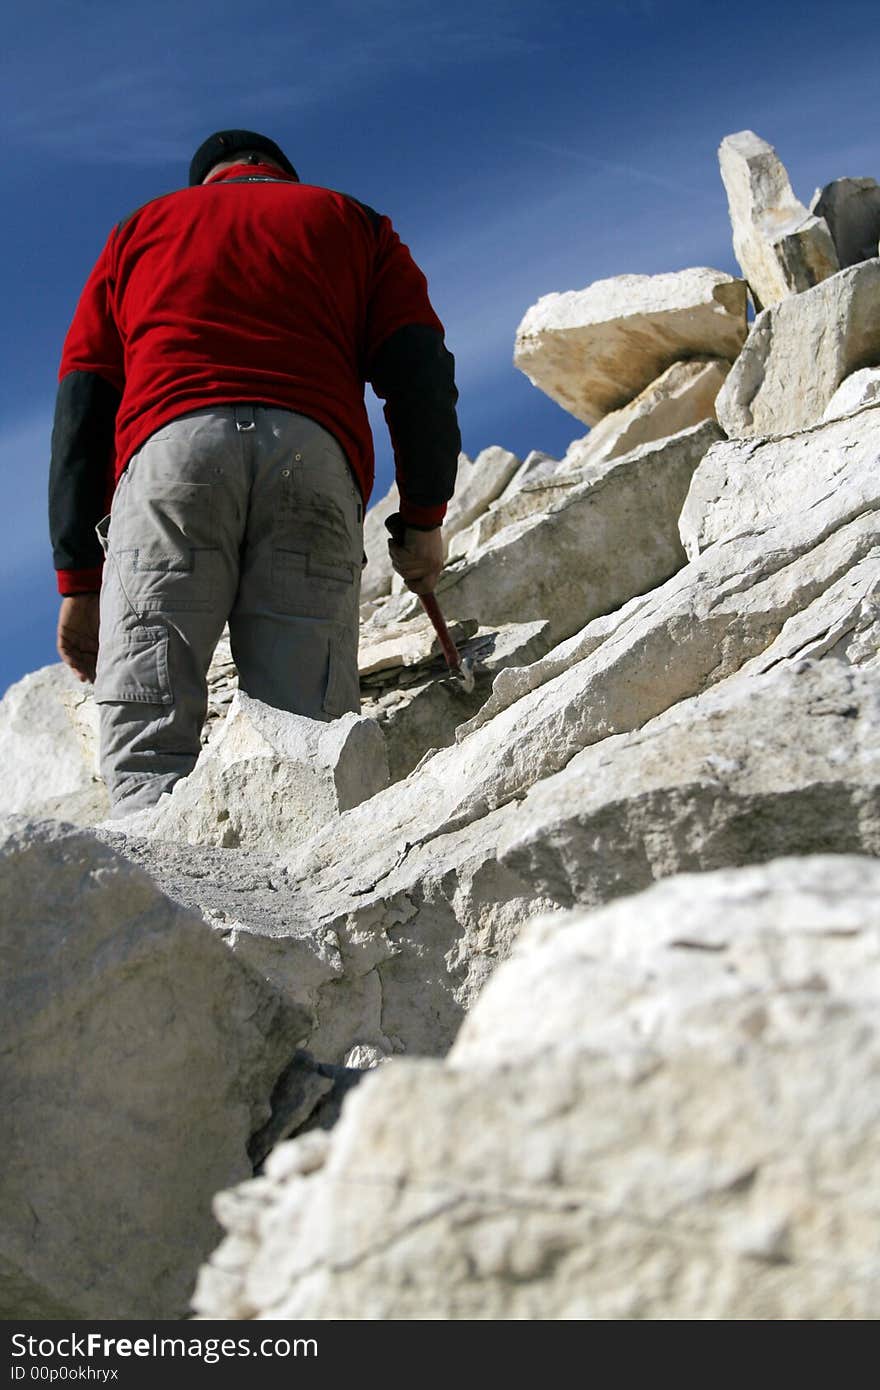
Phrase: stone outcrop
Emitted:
{"points": [[649, 1114], [269, 779], [781, 247], [593, 350], [744, 483], [49, 748], [540, 567], [798, 353], [419, 705], [854, 392], [851, 210], [478, 482], [683, 396], [139, 1058]]}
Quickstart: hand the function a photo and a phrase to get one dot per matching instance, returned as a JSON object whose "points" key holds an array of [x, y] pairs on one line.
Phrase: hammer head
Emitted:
{"points": [[465, 674]]}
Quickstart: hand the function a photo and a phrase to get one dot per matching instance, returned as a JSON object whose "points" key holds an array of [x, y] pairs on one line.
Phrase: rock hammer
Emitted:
{"points": [[459, 666]]}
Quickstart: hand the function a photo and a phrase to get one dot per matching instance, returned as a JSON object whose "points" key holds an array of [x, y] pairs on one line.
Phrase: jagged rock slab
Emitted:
{"points": [[577, 559], [269, 778], [741, 484], [593, 350], [665, 1109], [782, 763], [139, 1057], [536, 466], [798, 352], [683, 396], [588, 460], [409, 644], [387, 926], [477, 484], [851, 210], [49, 748], [781, 247], [854, 393], [424, 715]]}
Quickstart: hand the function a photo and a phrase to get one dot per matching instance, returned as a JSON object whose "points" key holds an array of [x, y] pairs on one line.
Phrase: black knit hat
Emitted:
{"points": [[225, 144]]}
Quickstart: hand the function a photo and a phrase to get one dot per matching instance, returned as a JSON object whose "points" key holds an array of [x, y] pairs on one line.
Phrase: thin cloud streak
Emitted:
{"points": [[145, 114], [613, 166]]}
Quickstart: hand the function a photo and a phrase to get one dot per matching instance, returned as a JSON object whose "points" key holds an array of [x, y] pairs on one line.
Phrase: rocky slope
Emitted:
{"points": [[664, 1104]]}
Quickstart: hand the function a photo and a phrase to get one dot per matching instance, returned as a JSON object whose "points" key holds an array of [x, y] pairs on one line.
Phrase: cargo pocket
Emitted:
{"points": [[166, 544], [310, 585], [137, 670], [169, 525]]}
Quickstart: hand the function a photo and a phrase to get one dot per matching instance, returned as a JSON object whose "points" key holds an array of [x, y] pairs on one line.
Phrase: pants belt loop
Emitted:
{"points": [[244, 418]]}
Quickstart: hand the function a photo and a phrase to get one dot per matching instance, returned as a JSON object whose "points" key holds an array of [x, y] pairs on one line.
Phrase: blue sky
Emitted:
{"points": [[518, 149]]}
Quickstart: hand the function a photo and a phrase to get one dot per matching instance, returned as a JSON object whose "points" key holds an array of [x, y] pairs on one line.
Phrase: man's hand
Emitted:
{"points": [[78, 633], [419, 561]]}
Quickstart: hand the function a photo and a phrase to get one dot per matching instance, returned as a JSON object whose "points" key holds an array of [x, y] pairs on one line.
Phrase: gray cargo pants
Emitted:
{"points": [[243, 513]]}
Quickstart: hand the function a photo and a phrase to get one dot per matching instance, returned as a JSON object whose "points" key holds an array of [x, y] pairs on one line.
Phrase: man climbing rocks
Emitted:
{"points": [[212, 389]]}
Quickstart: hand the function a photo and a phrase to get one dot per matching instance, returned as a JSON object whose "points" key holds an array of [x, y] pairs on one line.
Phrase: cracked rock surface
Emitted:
{"points": [[648, 1114]]}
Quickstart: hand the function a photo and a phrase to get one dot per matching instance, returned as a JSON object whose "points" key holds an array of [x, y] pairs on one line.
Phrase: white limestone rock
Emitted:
{"points": [[406, 645], [784, 762], [683, 396], [478, 483], [854, 393], [741, 484], [49, 748], [594, 350], [798, 352], [781, 247], [423, 714], [666, 1109], [576, 559], [139, 1057], [269, 779], [851, 209]]}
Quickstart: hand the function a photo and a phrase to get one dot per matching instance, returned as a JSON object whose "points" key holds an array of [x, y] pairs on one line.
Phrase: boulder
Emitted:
{"points": [[741, 484], [49, 748], [666, 1109], [478, 482], [593, 350], [269, 779], [854, 393], [851, 210], [781, 248], [574, 558], [139, 1058], [683, 396], [798, 353], [420, 706], [784, 762]]}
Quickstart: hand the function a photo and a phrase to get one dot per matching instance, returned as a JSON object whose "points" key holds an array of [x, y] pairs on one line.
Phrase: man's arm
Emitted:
{"points": [[91, 380], [410, 368]]}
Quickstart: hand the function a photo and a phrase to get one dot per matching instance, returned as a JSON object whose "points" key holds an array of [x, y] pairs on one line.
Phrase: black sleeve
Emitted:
{"points": [[81, 470], [414, 372]]}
